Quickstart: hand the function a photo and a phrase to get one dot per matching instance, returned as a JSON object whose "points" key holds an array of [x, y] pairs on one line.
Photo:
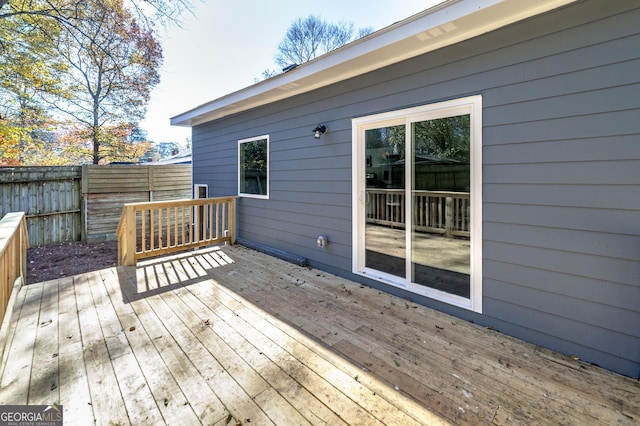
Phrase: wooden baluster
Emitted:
{"points": [[448, 209]]}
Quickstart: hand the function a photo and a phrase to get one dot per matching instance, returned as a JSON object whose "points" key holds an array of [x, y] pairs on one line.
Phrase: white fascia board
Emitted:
{"points": [[443, 25]]}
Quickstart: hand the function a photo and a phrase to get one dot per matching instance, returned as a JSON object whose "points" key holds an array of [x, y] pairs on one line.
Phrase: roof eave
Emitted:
{"points": [[443, 25]]}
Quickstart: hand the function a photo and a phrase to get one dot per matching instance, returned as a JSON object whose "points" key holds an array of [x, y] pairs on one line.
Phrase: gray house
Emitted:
{"points": [[481, 158]]}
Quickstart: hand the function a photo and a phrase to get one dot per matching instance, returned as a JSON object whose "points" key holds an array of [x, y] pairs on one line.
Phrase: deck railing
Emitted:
{"points": [[438, 212], [14, 242], [159, 228]]}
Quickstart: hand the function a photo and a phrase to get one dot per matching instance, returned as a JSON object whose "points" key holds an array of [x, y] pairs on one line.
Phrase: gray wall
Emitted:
{"points": [[561, 98]]}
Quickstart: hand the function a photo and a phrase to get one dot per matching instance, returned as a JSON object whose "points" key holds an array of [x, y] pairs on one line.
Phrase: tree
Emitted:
{"points": [[24, 73], [125, 145], [113, 66], [46, 47], [444, 137], [311, 37], [68, 12]]}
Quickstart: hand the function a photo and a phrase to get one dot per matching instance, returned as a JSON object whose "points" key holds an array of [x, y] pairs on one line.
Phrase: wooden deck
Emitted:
{"points": [[229, 336]]}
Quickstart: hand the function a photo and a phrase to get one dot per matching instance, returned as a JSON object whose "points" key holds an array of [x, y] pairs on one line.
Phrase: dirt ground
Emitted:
{"points": [[61, 260]]}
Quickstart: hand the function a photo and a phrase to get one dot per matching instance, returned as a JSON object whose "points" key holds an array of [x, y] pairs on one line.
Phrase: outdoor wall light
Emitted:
{"points": [[319, 130]]}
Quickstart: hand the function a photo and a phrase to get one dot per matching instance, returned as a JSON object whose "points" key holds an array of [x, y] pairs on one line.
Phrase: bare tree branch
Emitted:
{"points": [[311, 37]]}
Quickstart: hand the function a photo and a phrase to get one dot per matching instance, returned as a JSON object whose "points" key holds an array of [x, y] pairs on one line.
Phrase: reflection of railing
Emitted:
{"points": [[437, 212], [13, 256], [158, 228]]}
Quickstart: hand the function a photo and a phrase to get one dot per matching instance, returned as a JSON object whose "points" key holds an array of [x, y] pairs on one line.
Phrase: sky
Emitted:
{"points": [[224, 46]]}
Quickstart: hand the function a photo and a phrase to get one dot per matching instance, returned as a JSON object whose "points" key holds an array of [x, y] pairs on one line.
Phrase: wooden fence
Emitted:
{"points": [[49, 196], [84, 202], [159, 228], [106, 189], [437, 212]]}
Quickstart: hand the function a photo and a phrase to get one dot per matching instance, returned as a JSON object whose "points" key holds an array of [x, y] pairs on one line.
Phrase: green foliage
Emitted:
{"points": [[444, 137], [26, 71], [254, 155], [74, 74], [441, 138]]}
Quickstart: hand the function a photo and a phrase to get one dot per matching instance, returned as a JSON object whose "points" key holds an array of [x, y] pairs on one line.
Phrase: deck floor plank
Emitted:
{"points": [[14, 388], [103, 382], [74, 386], [227, 335], [44, 385], [296, 368], [138, 400], [517, 364], [299, 349], [150, 341], [269, 295], [142, 337], [249, 360], [188, 353], [226, 386]]}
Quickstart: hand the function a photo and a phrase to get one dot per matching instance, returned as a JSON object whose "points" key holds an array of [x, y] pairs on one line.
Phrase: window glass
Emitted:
{"points": [[440, 234], [253, 156]]}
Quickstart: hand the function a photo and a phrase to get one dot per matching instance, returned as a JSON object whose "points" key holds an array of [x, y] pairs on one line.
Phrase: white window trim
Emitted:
{"points": [[196, 190], [256, 138], [469, 105]]}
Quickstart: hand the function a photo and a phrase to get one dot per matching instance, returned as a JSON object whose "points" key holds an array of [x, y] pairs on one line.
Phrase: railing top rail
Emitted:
{"points": [[385, 190], [8, 227], [421, 191], [443, 193], [177, 203]]}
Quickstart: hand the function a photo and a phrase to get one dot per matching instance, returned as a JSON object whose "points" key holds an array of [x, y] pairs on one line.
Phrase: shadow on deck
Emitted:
{"points": [[228, 335]]}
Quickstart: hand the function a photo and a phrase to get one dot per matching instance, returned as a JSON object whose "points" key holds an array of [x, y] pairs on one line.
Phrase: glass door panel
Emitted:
{"points": [[385, 234], [440, 188]]}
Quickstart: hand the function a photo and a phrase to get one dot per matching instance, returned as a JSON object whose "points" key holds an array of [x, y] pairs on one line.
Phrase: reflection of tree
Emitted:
{"points": [[444, 137], [390, 139], [439, 138], [254, 155], [253, 159]]}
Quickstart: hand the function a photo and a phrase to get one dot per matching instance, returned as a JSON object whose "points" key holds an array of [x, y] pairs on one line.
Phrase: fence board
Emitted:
{"points": [[119, 178], [106, 189], [50, 198]]}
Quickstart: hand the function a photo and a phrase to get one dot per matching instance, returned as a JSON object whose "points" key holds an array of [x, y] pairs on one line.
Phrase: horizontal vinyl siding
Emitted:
{"points": [[561, 173], [562, 195]]}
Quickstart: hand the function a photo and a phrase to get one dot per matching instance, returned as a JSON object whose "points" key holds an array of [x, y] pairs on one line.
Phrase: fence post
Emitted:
{"points": [[127, 237], [232, 219]]}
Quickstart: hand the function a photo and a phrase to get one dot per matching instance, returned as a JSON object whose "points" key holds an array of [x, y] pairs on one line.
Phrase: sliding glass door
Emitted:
{"points": [[415, 178]]}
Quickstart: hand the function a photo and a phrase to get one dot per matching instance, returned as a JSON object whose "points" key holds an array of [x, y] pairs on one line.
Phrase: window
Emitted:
{"points": [[417, 200], [200, 190], [253, 167]]}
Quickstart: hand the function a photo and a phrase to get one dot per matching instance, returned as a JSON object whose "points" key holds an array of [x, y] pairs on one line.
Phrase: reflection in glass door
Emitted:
{"points": [[440, 187], [440, 212], [385, 238]]}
